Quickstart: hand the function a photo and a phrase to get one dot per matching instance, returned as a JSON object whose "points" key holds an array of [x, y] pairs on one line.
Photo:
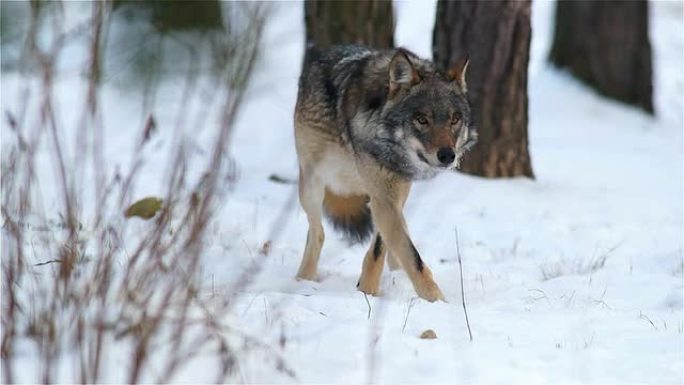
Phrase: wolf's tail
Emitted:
{"points": [[349, 214]]}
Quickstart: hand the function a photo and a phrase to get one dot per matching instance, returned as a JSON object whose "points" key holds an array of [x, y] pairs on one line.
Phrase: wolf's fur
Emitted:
{"points": [[367, 124]]}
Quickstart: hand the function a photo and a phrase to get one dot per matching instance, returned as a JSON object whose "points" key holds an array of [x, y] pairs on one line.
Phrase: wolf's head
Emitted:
{"points": [[427, 115]]}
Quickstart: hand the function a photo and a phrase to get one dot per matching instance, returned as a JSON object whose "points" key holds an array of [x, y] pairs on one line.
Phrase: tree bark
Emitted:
{"points": [[496, 35], [369, 23], [605, 44]]}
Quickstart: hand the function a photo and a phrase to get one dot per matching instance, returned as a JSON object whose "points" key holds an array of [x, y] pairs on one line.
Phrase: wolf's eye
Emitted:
{"points": [[454, 120], [422, 119]]}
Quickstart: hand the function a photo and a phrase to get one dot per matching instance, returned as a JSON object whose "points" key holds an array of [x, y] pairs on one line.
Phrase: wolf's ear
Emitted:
{"points": [[457, 72], [401, 72]]}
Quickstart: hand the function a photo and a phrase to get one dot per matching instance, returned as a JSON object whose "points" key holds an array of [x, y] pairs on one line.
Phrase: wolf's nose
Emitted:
{"points": [[446, 155]]}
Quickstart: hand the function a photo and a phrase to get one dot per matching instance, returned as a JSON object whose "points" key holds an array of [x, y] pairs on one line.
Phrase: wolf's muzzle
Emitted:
{"points": [[446, 156]]}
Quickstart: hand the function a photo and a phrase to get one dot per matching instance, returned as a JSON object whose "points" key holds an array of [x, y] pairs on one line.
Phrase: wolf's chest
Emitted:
{"points": [[338, 172]]}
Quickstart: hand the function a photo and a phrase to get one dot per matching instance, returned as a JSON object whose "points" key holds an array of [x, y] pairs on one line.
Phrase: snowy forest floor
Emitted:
{"points": [[572, 278]]}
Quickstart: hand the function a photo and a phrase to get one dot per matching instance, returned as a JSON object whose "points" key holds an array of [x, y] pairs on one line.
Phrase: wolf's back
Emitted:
{"points": [[328, 73]]}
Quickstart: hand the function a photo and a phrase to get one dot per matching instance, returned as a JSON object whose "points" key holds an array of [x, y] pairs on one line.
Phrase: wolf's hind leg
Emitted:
{"points": [[373, 263], [311, 193]]}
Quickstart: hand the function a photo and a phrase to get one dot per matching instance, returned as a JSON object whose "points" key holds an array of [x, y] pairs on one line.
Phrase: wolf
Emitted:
{"points": [[367, 124]]}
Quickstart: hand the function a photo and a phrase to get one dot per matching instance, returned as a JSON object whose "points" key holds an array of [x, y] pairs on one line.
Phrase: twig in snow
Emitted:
{"points": [[48, 262], [281, 179], [407, 313], [645, 317], [460, 269], [368, 303]]}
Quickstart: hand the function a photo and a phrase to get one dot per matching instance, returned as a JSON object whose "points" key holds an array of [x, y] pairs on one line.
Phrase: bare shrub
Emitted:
{"points": [[86, 288]]}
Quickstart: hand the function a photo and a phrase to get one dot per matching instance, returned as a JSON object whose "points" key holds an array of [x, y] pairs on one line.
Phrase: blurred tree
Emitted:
{"points": [[153, 39], [177, 15], [605, 44], [349, 22], [496, 35]]}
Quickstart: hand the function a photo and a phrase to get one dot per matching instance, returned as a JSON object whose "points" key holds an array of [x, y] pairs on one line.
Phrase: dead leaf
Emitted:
{"points": [[145, 208]]}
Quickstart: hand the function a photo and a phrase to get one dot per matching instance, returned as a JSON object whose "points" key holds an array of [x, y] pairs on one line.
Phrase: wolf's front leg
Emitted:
{"points": [[392, 261], [374, 261], [389, 219]]}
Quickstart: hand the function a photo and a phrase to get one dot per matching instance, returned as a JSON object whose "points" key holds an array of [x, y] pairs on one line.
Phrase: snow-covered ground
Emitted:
{"points": [[572, 278]]}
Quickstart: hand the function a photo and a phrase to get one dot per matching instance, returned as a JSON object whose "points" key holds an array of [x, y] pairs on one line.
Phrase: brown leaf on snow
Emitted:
{"points": [[145, 208]]}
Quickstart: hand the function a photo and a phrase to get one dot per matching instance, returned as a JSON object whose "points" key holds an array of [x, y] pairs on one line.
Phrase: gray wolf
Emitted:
{"points": [[367, 124]]}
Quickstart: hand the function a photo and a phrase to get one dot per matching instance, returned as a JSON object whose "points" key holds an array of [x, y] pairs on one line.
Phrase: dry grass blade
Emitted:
{"points": [[408, 311], [367, 303], [460, 270]]}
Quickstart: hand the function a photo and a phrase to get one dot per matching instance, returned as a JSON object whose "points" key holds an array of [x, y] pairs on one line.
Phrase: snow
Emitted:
{"points": [[572, 278]]}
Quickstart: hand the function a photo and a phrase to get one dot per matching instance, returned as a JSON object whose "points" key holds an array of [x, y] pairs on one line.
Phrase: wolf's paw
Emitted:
{"points": [[429, 291], [307, 276], [369, 286]]}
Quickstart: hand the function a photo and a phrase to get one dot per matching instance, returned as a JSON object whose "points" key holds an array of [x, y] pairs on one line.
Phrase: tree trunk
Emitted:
{"points": [[178, 15], [496, 35], [369, 23], [605, 44]]}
